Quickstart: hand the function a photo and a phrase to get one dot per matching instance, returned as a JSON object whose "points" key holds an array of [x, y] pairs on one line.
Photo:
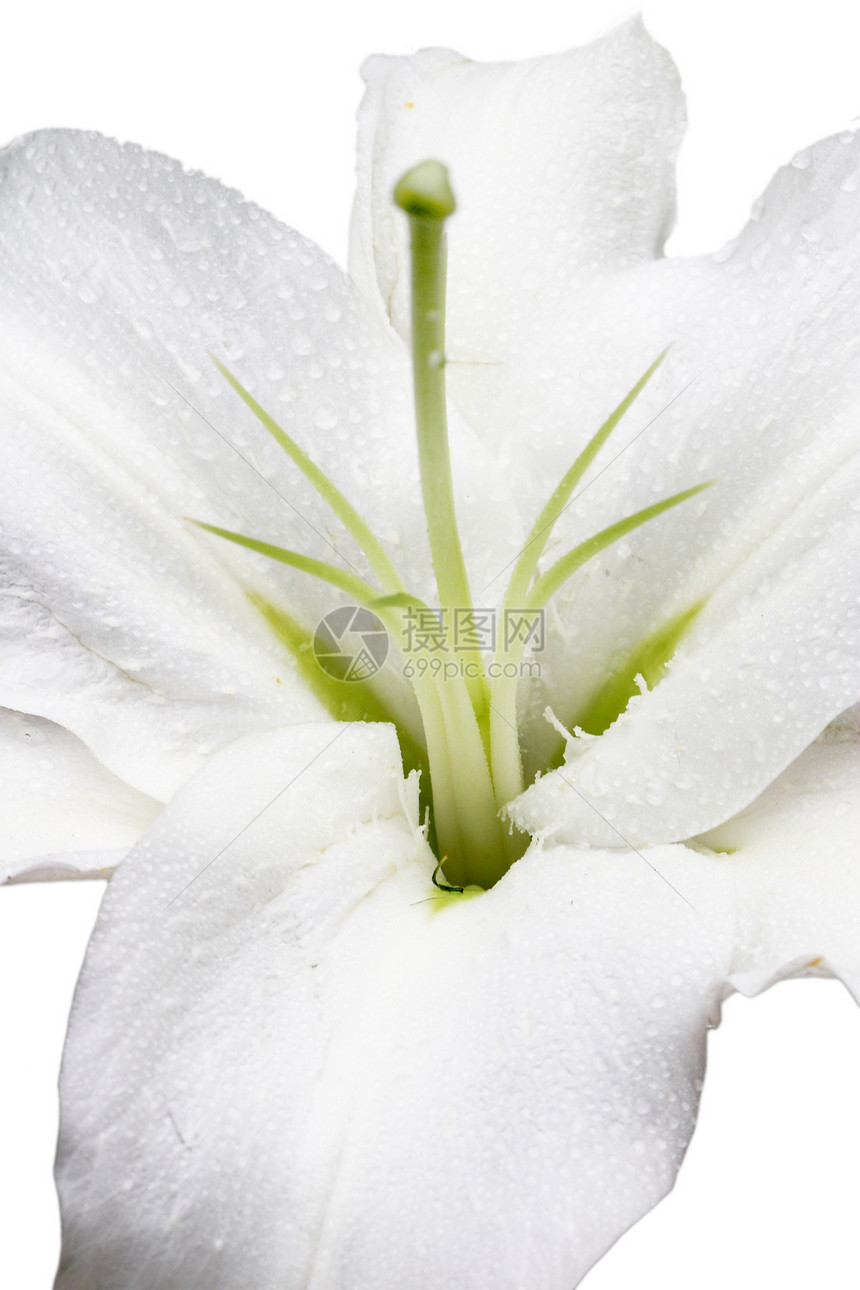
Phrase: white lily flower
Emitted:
{"points": [[291, 1060]]}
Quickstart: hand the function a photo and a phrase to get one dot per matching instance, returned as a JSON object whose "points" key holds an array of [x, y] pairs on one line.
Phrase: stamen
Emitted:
{"points": [[541, 532], [361, 591], [352, 521], [554, 578]]}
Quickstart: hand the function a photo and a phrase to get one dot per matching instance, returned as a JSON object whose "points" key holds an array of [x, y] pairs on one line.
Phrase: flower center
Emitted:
{"points": [[467, 745]]}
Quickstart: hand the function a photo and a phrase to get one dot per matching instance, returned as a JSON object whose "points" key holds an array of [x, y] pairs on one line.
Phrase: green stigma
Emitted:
{"points": [[425, 191], [466, 744]]}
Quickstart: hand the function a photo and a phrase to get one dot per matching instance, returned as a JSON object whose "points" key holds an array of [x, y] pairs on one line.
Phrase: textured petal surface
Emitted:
{"points": [[341, 1080], [796, 861], [120, 270], [63, 815]]}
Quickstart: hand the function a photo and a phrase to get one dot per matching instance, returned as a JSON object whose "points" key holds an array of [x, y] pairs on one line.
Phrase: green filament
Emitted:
{"points": [[555, 578], [354, 586], [355, 525], [542, 528]]}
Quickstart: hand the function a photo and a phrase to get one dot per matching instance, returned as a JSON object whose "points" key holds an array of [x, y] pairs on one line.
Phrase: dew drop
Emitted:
{"points": [[326, 417], [301, 343]]}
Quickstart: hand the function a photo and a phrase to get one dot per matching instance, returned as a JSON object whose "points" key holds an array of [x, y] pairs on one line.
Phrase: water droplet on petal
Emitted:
{"points": [[326, 417]]}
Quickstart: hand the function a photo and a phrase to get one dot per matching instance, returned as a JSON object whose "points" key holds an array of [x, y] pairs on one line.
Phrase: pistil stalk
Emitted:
{"points": [[472, 839]]}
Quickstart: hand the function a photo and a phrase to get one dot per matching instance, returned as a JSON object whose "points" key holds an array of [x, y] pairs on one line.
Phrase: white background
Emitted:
{"points": [[263, 96]]}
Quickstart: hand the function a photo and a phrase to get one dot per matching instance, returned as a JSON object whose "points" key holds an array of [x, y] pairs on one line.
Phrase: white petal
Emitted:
{"points": [[305, 1069], [121, 270], [64, 815], [796, 861], [768, 335], [562, 166]]}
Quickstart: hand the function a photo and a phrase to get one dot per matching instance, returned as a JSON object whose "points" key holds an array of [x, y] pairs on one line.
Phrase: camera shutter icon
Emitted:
{"points": [[350, 643]]}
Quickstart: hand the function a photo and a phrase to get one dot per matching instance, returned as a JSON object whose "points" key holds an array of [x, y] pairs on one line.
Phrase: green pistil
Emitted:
{"points": [[424, 193], [467, 746]]}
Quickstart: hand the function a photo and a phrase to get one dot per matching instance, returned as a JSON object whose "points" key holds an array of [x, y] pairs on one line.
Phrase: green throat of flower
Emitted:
{"points": [[467, 743]]}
